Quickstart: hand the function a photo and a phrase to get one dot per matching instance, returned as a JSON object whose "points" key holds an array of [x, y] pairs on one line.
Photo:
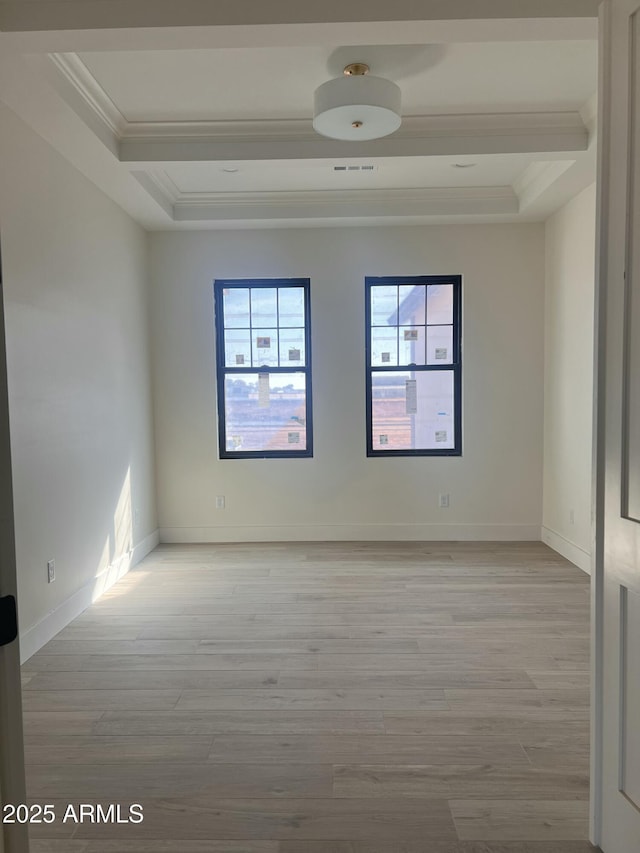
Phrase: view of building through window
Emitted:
{"points": [[264, 370], [413, 366]]}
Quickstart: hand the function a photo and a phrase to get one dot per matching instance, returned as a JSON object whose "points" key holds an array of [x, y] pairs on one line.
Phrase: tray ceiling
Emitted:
{"points": [[222, 137]]}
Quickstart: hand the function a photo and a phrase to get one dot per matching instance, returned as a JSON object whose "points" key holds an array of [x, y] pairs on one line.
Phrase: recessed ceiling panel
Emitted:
{"points": [[270, 83], [512, 76], [387, 173]]}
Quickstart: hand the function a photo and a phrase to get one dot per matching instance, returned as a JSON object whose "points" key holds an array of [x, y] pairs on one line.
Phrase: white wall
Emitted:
{"points": [[569, 307], [75, 279], [495, 488]]}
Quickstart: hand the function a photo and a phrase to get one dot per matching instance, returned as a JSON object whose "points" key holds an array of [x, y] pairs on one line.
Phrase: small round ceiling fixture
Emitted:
{"points": [[463, 165], [230, 169], [357, 106]]}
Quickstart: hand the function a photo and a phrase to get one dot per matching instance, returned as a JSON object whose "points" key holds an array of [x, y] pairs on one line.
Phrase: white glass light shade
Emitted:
{"points": [[357, 107]]}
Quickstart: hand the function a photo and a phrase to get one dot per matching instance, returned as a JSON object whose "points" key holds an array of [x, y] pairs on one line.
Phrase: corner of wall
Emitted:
{"points": [[569, 550], [34, 638]]}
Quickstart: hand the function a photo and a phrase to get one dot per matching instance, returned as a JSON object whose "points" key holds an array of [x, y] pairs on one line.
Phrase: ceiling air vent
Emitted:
{"points": [[353, 168]]}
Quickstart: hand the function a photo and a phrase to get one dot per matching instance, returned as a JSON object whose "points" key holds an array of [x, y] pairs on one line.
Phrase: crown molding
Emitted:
{"points": [[160, 188], [446, 201], [75, 72], [417, 126], [318, 204], [537, 178], [319, 197], [438, 135], [164, 185]]}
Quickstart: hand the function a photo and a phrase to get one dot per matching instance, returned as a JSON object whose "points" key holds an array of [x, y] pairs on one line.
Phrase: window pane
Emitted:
{"points": [[292, 352], [237, 348], [384, 345], [291, 306], [412, 347], [439, 304], [411, 309], [440, 345], [236, 307], [265, 414], [265, 347], [264, 307], [413, 417], [384, 305]]}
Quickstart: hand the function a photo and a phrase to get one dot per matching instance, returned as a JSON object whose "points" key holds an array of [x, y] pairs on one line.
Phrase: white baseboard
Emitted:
{"points": [[574, 553], [353, 533], [36, 637]]}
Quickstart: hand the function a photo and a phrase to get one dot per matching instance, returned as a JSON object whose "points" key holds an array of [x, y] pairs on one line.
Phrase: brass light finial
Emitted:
{"points": [[356, 124], [356, 69]]}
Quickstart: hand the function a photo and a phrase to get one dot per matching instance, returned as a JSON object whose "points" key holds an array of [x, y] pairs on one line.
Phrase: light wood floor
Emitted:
{"points": [[321, 698]]}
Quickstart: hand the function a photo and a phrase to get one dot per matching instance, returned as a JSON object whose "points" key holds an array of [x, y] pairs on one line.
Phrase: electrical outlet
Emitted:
{"points": [[220, 502], [572, 517], [51, 571], [443, 501]]}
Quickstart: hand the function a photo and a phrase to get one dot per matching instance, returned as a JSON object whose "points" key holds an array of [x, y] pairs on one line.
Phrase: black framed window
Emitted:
{"points": [[263, 355], [414, 370]]}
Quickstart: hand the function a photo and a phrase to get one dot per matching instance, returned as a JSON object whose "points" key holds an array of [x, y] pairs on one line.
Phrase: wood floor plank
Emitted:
{"points": [[153, 662], [346, 700], [267, 633], [470, 659], [499, 645], [56, 663], [119, 647], [113, 632], [295, 647], [173, 779], [465, 780], [88, 700], [238, 722], [575, 758], [520, 820], [83, 749], [532, 731], [372, 748], [349, 619], [394, 628], [434, 679], [94, 621], [55, 723], [563, 703], [172, 679], [564, 678]]}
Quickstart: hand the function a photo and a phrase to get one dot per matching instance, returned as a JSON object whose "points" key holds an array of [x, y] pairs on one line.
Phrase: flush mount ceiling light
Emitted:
{"points": [[357, 106]]}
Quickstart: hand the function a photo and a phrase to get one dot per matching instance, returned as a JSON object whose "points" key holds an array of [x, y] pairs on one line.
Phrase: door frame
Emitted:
{"points": [[12, 775], [599, 412]]}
